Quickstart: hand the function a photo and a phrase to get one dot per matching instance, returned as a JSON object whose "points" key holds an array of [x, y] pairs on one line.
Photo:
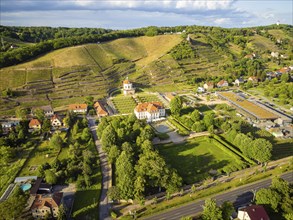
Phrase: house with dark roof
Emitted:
{"points": [[253, 212], [46, 204], [151, 111], [47, 109], [239, 81]]}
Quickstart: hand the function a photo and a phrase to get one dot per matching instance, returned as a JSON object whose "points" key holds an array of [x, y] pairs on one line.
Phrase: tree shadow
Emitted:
{"points": [[243, 199]]}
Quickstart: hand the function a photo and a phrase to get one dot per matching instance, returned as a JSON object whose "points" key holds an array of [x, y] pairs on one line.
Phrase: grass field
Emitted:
{"points": [[195, 158], [124, 105], [11, 78], [37, 75]]}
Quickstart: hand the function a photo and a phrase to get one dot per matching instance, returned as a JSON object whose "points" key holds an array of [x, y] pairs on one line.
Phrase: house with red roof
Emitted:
{"points": [[253, 79], [46, 204], [222, 83], [34, 124], [208, 85], [151, 111], [56, 121], [100, 109], [253, 212], [78, 108]]}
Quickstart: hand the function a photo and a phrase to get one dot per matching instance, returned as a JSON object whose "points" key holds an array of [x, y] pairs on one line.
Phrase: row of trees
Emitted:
{"points": [[138, 166], [258, 149]]}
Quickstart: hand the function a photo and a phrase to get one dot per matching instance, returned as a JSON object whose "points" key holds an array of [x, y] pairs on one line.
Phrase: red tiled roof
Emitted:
{"points": [[34, 122], [77, 106], [149, 106], [55, 116], [222, 82], [256, 212], [100, 108], [52, 200], [126, 81], [210, 83]]}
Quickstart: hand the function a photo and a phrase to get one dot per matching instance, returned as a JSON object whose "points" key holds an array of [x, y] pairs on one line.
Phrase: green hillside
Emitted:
{"points": [[67, 75]]}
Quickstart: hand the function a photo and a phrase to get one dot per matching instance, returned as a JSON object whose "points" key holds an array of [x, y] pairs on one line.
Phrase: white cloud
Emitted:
{"points": [[220, 21]]}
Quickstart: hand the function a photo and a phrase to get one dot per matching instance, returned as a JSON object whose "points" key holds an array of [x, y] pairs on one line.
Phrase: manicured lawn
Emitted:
{"points": [[37, 158], [195, 158]]}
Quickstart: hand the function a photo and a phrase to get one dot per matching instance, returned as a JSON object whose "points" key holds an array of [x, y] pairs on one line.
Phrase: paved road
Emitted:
{"points": [[240, 196], [104, 205]]}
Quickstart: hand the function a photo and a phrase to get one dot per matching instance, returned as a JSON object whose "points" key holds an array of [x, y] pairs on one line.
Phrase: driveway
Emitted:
{"points": [[104, 205]]}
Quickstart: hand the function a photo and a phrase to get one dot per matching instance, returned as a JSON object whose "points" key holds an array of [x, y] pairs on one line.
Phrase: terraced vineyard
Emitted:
{"points": [[68, 75], [124, 105]]}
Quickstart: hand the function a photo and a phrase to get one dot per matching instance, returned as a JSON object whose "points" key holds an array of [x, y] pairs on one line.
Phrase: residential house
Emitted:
{"points": [[47, 204], [170, 96], [208, 85], [9, 124], [48, 110], [239, 81], [253, 79], [283, 70], [253, 212], [275, 54], [34, 124], [56, 121], [200, 89], [222, 83], [100, 109], [127, 87], [151, 111], [78, 108]]}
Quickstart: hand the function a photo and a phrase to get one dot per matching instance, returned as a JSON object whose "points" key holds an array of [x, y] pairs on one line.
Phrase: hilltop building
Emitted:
{"points": [[151, 111], [127, 87]]}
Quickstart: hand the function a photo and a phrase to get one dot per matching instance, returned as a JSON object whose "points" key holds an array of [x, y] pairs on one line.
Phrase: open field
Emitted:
{"points": [[194, 159], [124, 105], [11, 78]]}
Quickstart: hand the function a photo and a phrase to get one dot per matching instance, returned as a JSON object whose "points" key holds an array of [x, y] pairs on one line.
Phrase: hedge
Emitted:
{"points": [[216, 137], [181, 130]]}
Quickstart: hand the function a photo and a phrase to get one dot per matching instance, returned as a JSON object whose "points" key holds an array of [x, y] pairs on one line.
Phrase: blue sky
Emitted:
{"points": [[120, 14]]}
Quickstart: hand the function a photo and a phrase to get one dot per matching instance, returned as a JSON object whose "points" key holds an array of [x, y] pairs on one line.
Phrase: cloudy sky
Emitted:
{"points": [[126, 14]]}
